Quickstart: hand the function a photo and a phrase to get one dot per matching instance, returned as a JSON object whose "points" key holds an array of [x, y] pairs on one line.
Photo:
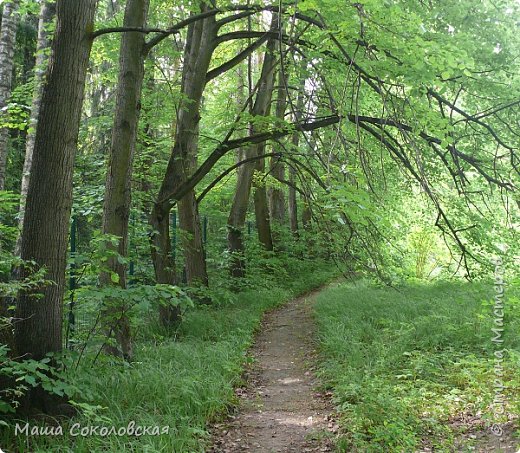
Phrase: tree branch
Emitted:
{"points": [[163, 33], [232, 35], [228, 145], [475, 163], [237, 59], [233, 18], [229, 170]]}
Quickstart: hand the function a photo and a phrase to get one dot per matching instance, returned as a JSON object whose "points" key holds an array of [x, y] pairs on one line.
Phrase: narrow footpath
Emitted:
{"points": [[280, 409]]}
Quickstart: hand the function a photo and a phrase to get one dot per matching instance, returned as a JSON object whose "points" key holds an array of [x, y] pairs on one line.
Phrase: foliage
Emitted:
{"points": [[23, 375]]}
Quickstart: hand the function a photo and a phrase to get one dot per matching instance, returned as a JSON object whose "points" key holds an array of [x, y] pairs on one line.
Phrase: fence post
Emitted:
{"points": [[131, 273], [204, 236], [173, 221], [72, 280]]}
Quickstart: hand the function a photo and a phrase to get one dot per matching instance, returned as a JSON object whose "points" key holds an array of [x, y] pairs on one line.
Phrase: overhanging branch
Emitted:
{"points": [[230, 169], [228, 145]]}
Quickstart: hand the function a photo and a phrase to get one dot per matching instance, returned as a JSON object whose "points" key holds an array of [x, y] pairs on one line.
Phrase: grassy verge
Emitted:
{"points": [[182, 384], [409, 368]]}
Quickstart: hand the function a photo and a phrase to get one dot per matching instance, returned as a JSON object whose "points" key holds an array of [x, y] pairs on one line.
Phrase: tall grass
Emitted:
{"points": [[182, 383], [403, 364]]}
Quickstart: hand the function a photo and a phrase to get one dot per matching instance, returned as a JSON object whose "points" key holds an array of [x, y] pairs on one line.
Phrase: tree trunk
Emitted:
{"points": [[164, 266], [47, 12], [192, 240], [263, 221], [306, 215], [276, 167], [116, 208], [198, 52], [7, 44], [199, 48], [238, 212], [292, 202], [49, 196], [237, 216]]}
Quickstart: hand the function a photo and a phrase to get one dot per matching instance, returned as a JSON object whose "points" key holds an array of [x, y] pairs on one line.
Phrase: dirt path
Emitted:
{"points": [[280, 410]]}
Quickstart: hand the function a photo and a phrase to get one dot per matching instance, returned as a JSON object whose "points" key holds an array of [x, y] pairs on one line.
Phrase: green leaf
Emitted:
{"points": [[30, 380]]}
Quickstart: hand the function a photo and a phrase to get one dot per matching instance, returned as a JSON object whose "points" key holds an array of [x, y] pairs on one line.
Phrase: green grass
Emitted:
{"points": [[402, 364], [183, 384]]}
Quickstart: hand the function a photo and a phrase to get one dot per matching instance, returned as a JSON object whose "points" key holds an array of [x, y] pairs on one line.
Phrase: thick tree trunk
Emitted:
{"points": [[276, 194], [263, 221], [163, 263], [199, 49], [49, 196], [200, 43], [192, 240], [7, 44], [116, 208], [237, 216], [47, 12], [238, 212]]}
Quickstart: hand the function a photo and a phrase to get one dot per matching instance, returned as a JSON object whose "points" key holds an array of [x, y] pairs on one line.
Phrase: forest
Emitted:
{"points": [[241, 226]]}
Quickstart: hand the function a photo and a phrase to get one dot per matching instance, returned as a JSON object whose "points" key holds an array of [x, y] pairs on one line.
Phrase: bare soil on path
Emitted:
{"points": [[280, 408]]}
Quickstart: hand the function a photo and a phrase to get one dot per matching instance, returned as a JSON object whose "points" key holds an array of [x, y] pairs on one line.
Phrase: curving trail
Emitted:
{"points": [[280, 410]]}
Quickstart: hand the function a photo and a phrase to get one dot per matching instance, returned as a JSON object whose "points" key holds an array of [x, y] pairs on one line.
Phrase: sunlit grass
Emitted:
{"points": [[402, 363]]}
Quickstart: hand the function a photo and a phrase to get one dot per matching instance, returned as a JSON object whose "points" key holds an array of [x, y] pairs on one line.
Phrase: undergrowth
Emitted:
{"points": [[183, 381]]}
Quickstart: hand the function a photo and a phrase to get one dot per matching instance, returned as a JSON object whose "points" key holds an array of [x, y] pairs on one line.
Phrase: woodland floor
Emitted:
{"points": [[280, 409]]}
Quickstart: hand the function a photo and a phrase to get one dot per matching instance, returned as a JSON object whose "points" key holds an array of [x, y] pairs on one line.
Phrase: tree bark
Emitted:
{"points": [[263, 221], [200, 44], [238, 212], [276, 167], [47, 12], [306, 215], [49, 196], [116, 207], [163, 264], [199, 50], [292, 200], [7, 44], [192, 240]]}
